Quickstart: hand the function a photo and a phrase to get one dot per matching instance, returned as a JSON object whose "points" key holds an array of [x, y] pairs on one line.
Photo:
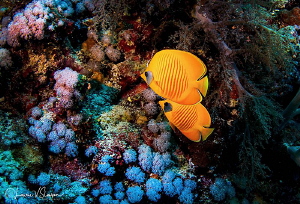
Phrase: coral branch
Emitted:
{"points": [[228, 64], [209, 28]]}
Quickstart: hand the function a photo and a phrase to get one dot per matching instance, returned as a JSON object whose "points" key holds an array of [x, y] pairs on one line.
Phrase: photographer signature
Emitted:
{"points": [[40, 193]]}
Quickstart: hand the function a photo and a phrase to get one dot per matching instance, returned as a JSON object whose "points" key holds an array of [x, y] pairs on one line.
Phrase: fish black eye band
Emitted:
{"points": [[167, 107], [149, 77]]}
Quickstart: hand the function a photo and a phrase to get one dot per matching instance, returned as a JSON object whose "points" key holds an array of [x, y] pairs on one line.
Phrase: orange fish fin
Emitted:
{"points": [[205, 132], [156, 87], [202, 85], [193, 64], [193, 134], [194, 97]]}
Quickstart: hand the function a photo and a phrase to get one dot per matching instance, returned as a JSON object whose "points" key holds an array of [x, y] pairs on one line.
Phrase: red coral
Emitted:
{"points": [[133, 139], [234, 94], [135, 90], [128, 41], [291, 17], [148, 136], [136, 40], [73, 168]]}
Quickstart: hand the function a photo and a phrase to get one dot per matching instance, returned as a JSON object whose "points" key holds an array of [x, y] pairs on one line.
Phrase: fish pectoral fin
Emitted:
{"points": [[202, 85], [205, 132], [157, 87]]}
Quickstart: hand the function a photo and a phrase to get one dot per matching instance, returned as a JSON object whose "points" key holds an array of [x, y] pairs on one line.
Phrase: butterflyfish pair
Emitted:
{"points": [[179, 77], [191, 120]]}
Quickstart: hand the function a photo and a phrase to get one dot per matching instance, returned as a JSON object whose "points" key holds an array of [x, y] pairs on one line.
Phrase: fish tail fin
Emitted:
{"points": [[202, 85], [205, 132]]}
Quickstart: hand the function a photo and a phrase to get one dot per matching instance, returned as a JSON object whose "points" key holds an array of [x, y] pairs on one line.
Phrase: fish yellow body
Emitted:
{"points": [[177, 75], [191, 120]]}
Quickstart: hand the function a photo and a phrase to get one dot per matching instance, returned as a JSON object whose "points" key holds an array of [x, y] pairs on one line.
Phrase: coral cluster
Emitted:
{"points": [[79, 125], [5, 58], [291, 17], [66, 81]]}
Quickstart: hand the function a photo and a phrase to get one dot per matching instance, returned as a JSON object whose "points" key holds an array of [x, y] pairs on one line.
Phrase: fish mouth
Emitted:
{"points": [[143, 77]]}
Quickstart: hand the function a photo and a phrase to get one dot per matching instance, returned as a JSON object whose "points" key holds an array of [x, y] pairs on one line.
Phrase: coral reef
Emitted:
{"points": [[79, 125]]}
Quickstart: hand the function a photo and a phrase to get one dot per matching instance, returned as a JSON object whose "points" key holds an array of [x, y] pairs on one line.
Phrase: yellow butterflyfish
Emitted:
{"points": [[193, 121], [177, 75]]}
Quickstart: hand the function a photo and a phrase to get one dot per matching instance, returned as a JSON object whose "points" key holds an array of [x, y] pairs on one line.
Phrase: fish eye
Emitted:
{"points": [[149, 77], [167, 107]]}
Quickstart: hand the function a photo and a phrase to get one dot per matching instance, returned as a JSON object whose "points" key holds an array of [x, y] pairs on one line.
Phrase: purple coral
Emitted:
{"points": [[61, 137], [39, 129], [66, 81], [57, 146], [5, 58], [151, 108], [28, 23], [145, 157], [152, 126], [161, 143], [69, 135], [97, 53], [36, 112], [150, 95], [160, 163], [52, 136], [113, 54], [60, 128], [66, 78], [46, 125], [129, 156], [74, 119]]}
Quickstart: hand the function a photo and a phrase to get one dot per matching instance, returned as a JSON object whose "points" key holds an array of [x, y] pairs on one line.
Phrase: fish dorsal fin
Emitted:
{"points": [[202, 85], [194, 65]]}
